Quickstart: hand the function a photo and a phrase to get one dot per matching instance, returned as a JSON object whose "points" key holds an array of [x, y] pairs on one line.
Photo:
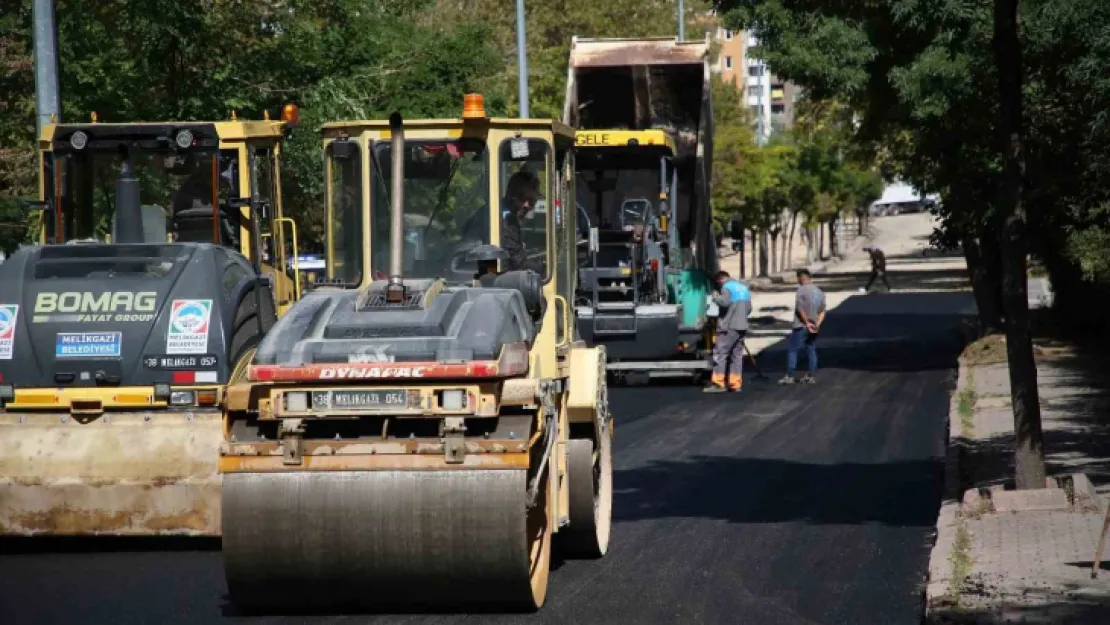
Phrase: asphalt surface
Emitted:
{"points": [[783, 505]]}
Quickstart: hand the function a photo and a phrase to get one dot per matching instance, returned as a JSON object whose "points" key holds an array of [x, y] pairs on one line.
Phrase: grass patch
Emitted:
{"points": [[966, 399], [960, 559]]}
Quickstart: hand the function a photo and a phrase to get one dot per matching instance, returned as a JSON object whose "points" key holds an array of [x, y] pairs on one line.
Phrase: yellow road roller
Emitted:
{"points": [[424, 423], [162, 261]]}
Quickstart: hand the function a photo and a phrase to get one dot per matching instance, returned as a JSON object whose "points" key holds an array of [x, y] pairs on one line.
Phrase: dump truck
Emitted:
{"points": [[644, 113], [424, 438], [161, 262]]}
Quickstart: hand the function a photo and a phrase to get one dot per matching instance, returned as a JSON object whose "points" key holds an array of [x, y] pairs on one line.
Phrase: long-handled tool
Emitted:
{"points": [[759, 375]]}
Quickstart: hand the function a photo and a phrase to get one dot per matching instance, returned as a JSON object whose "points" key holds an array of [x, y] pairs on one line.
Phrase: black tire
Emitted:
{"points": [[245, 334]]}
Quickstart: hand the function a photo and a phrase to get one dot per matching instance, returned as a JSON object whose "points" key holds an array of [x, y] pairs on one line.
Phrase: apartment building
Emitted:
{"points": [[770, 98]]}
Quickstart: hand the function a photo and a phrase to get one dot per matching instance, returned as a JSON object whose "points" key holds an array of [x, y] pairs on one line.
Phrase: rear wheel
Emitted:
{"points": [[590, 477], [246, 335]]}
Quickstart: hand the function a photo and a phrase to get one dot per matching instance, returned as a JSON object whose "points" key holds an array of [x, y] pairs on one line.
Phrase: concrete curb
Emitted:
{"points": [[939, 576]]}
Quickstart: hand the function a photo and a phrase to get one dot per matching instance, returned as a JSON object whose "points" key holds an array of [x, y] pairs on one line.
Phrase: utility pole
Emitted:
{"points": [[681, 21], [46, 64], [522, 60]]}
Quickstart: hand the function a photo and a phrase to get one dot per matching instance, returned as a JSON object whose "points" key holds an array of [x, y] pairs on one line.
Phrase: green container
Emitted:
{"points": [[689, 288]]}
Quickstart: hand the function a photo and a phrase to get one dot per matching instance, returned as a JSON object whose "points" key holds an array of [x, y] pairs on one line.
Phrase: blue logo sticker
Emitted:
{"points": [[89, 345]]}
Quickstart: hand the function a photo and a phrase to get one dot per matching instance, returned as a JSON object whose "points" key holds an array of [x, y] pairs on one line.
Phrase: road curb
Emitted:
{"points": [[939, 577]]}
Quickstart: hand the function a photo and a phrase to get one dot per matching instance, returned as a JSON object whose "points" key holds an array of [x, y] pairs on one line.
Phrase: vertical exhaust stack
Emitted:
{"points": [[129, 216], [395, 291]]}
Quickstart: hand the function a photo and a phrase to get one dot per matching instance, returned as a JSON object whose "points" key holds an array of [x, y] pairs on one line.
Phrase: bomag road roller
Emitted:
{"points": [[422, 438], [644, 112], [161, 263]]}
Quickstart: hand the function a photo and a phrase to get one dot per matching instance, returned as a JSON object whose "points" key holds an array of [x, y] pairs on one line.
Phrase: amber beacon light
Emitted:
{"points": [[474, 106], [291, 114]]}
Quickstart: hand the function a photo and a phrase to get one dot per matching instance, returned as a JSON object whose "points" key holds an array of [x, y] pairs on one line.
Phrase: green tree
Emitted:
{"points": [[932, 86]]}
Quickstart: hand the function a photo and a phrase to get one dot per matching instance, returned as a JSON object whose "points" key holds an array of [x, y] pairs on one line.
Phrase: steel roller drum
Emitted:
{"points": [[380, 538]]}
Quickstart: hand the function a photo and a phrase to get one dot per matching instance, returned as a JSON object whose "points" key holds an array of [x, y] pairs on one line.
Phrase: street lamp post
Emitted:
{"points": [[522, 60], [46, 64], [681, 21]]}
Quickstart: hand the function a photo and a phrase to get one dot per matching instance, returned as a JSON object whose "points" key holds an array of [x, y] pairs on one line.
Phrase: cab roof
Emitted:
{"points": [[501, 123], [227, 130]]}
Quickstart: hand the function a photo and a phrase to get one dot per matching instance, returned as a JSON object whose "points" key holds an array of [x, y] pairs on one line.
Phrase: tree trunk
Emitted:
{"points": [[981, 254], [775, 268], [755, 253], [784, 255], [790, 242], [743, 257], [834, 245], [820, 242], [1029, 451], [763, 254]]}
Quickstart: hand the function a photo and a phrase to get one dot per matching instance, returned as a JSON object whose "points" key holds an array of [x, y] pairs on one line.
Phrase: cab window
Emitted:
{"points": [[262, 181], [344, 201], [525, 193]]}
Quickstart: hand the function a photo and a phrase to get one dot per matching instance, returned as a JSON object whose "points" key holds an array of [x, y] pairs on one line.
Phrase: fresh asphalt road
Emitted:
{"points": [[783, 505]]}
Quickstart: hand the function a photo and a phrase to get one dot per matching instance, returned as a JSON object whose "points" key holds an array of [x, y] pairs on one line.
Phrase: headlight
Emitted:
{"points": [[452, 400], [184, 139], [296, 401], [183, 398], [79, 140]]}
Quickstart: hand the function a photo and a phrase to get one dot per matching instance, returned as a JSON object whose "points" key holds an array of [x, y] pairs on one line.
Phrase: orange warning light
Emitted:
{"points": [[474, 106], [290, 114]]}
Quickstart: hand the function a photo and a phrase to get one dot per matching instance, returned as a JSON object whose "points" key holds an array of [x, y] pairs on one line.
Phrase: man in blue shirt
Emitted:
{"points": [[735, 303]]}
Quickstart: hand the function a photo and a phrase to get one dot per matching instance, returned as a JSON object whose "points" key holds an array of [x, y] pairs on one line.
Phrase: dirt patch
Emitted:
{"points": [[989, 350]]}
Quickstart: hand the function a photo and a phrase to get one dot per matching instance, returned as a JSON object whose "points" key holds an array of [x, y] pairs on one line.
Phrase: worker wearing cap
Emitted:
{"points": [[735, 302]]}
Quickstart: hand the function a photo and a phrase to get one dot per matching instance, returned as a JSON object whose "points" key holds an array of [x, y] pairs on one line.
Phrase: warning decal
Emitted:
{"points": [[8, 315], [189, 322]]}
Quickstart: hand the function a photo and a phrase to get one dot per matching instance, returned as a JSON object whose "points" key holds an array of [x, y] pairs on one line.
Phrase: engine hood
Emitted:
{"points": [[434, 324], [89, 315]]}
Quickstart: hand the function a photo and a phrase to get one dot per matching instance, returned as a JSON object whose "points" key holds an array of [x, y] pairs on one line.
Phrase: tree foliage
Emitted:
{"points": [[1018, 168]]}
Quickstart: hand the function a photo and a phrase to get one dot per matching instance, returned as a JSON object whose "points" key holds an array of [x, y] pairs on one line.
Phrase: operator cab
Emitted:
{"points": [[164, 183], [470, 184], [626, 184]]}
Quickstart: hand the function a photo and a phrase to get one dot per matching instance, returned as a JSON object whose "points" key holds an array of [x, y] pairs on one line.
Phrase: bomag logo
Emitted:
{"points": [[85, 306]]}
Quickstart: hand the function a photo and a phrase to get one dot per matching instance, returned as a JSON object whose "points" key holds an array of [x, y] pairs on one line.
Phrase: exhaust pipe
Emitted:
{"points": [[129, 215], [395, 290], [396, 223]]}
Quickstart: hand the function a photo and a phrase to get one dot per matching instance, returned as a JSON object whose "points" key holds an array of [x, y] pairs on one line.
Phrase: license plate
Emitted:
{"points": [[369, 400]]}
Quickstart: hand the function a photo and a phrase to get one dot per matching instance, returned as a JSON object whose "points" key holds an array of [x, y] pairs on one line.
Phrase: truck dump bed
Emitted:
{"points": [[654, 83]]}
